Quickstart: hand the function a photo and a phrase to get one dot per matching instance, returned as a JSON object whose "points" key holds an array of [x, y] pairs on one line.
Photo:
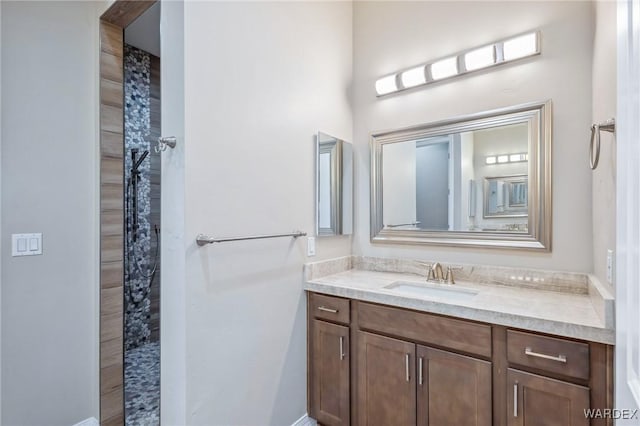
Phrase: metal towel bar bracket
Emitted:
{"points": [[607, 126], [202, 239]]}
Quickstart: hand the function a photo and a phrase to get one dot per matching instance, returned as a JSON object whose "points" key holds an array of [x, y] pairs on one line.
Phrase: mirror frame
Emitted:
{"points": [[341, 220], [538, 237]]}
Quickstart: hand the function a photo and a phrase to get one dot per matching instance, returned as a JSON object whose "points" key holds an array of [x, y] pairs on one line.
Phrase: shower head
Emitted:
{"points": [[137, 163]]}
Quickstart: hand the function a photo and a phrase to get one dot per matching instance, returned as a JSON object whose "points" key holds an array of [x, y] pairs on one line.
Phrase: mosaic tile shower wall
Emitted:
{"points": [[140, 255]]}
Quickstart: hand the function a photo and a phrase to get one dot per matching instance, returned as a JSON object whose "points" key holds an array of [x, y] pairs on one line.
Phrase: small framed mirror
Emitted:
{"points": [[507, 196], [334, 186], [482, 180]]}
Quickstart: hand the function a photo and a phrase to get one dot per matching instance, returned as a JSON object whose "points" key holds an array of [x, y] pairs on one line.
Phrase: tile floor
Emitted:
{"points": [[142, 385]]}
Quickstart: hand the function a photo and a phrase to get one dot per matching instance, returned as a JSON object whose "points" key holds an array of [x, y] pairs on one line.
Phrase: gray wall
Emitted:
{"points": [[261, 79], [49, 185], [390, 36], [603, 108]]}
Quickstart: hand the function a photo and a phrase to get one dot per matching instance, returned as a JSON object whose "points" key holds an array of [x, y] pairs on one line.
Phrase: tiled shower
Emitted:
{"points": [[142, 244]]}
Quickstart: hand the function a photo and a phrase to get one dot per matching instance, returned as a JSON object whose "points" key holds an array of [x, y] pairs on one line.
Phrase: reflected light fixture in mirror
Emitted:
{"points": [[506, 158], [471, 60]]}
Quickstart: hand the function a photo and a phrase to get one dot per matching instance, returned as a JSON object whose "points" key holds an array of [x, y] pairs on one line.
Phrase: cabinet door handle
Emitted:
{"points": [[406, 367], [420, 371], [322, 308], [559, 358], [341, 348], [515, 399]]}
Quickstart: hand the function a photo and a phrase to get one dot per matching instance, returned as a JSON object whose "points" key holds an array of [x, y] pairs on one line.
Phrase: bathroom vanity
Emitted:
{"points": [[385, 348]]}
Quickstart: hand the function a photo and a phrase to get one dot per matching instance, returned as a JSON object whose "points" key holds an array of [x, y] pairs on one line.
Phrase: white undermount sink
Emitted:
{"points": [[444, 291]]}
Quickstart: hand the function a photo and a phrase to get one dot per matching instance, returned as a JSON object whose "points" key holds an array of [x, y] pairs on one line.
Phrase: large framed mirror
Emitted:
{"points": [[334, 186], [482, 180]]}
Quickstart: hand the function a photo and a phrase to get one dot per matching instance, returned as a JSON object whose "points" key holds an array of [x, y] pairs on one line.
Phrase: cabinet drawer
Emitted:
{"points": [[440, 331], [550, 354], [329, 307]]}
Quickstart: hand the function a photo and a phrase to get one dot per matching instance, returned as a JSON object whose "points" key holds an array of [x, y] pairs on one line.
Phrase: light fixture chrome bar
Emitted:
{"points": [[202, 239], [471, 60]]}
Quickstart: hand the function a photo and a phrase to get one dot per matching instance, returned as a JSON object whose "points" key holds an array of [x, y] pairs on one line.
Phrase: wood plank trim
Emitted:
{"points": [[124, 12]]}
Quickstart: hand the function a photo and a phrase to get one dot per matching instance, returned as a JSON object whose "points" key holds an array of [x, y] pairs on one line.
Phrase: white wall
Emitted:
{"points": [[261, 79], [399, 189], [389, 36], [603, 108], [0, 215], [49, 185], [173, 248]]}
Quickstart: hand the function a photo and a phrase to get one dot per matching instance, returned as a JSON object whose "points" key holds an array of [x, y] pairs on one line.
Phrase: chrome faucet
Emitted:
{"points": [[435, 273]]}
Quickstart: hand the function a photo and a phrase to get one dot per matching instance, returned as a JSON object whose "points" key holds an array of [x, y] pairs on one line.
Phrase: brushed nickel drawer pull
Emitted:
{"points": [[420, 371], [559, 358], [406, 367], [322, 308], [515, 400], [341, 348]]}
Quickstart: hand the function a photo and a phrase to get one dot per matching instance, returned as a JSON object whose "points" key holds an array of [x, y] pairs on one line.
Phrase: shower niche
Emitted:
{"points": [[142, 167]]}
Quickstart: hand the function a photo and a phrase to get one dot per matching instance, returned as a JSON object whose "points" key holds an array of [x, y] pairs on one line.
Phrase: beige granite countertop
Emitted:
{"points": [[585, 312]]}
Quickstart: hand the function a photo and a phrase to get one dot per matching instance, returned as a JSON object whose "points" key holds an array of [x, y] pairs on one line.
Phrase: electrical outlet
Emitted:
{"points": [[610, 266], [311, 246]]}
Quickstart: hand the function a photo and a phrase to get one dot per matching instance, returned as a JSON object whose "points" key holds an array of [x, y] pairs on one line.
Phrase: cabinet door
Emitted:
{"points": [[536, 401], [386, 381], [330, 377], [453, 389]]}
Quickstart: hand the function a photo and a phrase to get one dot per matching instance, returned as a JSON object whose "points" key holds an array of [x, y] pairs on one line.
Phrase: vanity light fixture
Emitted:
{"points": [[386, 85], [500, 52], [480, 58], [520, 47], [506, 158], [444, 68], [413, 77]]}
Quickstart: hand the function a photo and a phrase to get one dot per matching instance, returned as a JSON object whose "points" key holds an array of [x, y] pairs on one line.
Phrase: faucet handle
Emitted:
{"points": [[430, 274], [449, 277]]}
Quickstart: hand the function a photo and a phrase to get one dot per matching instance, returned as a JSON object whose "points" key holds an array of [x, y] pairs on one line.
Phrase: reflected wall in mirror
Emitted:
{"points": [[482, 180], [334, 186]]}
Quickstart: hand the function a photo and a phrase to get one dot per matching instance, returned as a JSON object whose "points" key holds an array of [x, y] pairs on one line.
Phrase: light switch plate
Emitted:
{"points": [[26, 244], [311, 246]]}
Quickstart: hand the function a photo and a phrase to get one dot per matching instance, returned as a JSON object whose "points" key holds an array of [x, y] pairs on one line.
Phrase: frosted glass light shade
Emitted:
{"points": [[413, 77], [521, 46], [479, 58], [386, 85], [444, 68]]}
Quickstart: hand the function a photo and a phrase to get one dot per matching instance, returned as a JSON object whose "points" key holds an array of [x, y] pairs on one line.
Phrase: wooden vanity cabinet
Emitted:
{"points": [[330, 376], [329, 360], [539, 400], [453, 389], [406, 367]]}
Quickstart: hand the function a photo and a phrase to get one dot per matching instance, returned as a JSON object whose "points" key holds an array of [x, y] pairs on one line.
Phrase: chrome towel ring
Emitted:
{"points": [[607, 126]]}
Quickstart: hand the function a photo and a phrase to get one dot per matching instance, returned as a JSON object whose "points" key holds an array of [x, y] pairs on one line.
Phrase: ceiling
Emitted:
{"points": [[144, 32]]}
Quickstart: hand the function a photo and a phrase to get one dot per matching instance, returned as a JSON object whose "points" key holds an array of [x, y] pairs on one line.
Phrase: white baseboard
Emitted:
{"points": [[305, 421], [92, 421]]}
